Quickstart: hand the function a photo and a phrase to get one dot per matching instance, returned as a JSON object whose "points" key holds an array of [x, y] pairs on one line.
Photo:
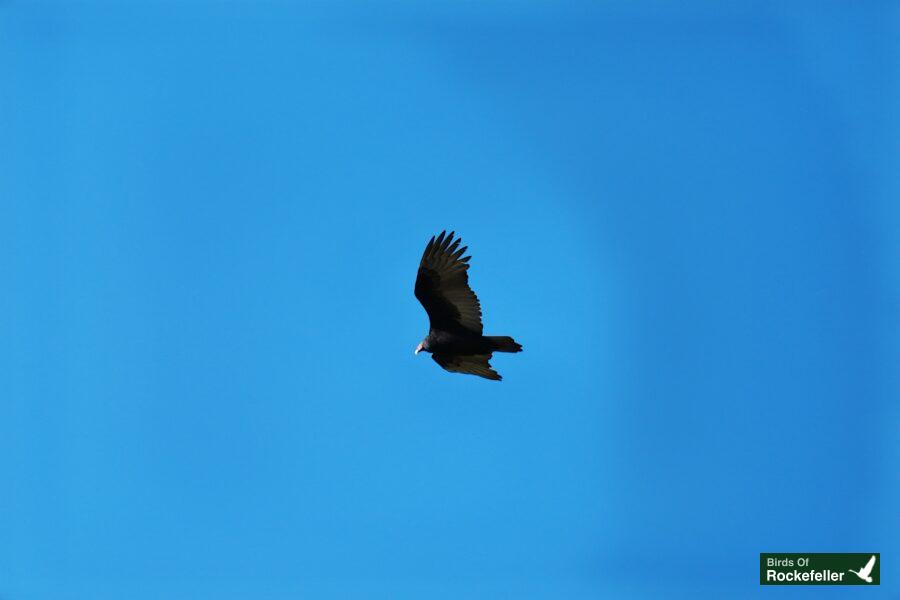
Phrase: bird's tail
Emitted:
{"points": [[504, 343]]}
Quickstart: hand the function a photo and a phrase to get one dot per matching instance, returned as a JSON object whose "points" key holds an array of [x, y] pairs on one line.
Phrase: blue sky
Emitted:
{"points": [[211, 216]]}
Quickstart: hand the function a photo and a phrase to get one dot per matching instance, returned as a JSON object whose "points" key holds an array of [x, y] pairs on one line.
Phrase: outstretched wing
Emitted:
{"points": [[868, 568], [442, 286], [471, 364]]}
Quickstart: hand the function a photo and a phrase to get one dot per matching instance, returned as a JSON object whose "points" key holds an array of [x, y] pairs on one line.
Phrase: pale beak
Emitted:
{"points": [[418, 348]]}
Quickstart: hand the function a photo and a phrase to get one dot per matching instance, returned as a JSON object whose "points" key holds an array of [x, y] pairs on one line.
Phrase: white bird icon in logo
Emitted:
{"points": [[864, 573]]}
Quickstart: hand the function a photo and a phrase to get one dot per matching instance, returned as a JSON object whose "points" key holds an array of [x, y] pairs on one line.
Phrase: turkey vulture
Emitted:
{"points": [[454, 339]]}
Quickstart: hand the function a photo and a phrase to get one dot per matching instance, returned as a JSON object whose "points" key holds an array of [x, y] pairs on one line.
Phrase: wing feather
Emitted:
{"points": [[442, 286], [474, 364]]}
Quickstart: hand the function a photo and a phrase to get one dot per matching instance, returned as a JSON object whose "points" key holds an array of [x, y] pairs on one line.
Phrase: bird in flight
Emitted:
{"points": [[866, 572], [454, 339]]}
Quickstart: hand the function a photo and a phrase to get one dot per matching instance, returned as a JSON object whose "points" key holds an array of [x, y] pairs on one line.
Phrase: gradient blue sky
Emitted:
{"points": [[210, 218]]}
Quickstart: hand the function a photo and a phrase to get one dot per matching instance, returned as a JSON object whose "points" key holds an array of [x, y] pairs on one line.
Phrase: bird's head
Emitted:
{"points": [[422, 346]]}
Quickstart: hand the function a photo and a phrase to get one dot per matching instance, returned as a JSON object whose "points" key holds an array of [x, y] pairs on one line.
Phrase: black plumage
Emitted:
{"points": [[455, 338]]}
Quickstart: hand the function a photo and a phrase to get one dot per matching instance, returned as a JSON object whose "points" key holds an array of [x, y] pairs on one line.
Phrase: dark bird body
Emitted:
{"points": [[455, 338]]}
